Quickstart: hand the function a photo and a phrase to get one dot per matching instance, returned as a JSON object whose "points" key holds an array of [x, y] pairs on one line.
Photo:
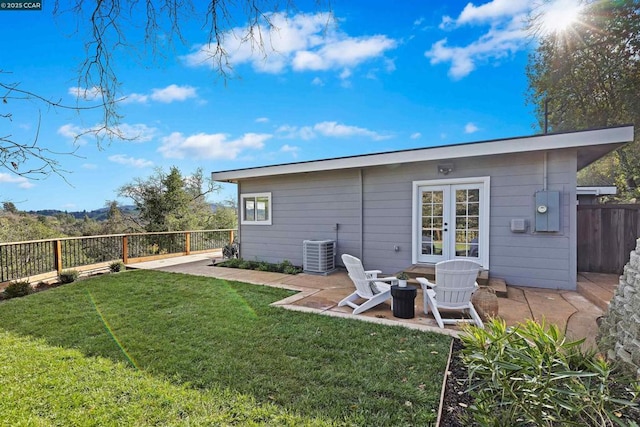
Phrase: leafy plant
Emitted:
{"points": [[116, 266], [402, 276], [291, 269], [284, 267], [248, 265], [531, 375], [231, 263], [18, 288], [68, 276], [263, 266]]}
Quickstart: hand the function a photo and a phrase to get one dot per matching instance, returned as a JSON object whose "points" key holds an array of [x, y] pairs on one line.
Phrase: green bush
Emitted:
{"points": [[531, 375], [248, 265], [284, 267], [231, 263], [116, 266], [18, 288], [68, 276], [263, 266]]}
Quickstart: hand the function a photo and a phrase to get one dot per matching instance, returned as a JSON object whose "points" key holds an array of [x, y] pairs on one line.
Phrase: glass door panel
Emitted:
{"points": [[467, 201], [432, 225]]}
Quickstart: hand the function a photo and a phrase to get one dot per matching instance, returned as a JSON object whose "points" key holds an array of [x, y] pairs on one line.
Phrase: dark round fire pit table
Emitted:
{"points": [[404, 301]]}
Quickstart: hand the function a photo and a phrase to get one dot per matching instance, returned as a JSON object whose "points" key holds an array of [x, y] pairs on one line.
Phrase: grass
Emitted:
{"points": [[148, 347]]}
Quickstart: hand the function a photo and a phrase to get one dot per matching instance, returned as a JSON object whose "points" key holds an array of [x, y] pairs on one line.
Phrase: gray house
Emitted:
{"points": [[509, 204]]}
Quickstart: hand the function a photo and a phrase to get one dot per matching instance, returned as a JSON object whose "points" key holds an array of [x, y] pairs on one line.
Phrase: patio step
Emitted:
{"points": [[499, 286], [597, 288], [429, 271]]}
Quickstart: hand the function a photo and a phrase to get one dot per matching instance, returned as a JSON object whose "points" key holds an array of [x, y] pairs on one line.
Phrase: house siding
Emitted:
{"points": [[304, 207], [309, 205]]}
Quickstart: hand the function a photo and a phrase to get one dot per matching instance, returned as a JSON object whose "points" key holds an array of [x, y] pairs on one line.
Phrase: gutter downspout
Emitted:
{"points": [[239, 212], [361, 214], [544, 171]]}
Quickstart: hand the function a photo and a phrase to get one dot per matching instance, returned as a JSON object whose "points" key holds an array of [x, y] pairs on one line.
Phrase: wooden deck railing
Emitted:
{"points": [[38, 258]]}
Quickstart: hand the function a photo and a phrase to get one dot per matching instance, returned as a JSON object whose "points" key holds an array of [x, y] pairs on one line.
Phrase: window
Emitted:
{"points": [[256, 209]]}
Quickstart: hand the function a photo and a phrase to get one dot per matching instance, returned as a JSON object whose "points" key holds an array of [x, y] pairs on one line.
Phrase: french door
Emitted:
{"points": [[451, 221]]}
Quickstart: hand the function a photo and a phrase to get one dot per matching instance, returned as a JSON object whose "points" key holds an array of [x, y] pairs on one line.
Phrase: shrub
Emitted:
{"points": [[18, 288], [116, 266], [291, 269], [68, 276], [284, 267], [531, 375], [263, 266], [231, 263]]}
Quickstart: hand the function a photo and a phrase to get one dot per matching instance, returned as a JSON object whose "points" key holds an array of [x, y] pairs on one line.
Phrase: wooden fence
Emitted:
{"points": [[39, 259], [606, 236]]}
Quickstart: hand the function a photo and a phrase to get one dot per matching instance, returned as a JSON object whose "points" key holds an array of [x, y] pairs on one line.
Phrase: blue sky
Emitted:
{"points": [[387, 76]]}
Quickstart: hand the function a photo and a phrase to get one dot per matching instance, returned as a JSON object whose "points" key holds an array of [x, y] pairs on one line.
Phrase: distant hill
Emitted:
{"points": [[97, 214], [100, 214]]}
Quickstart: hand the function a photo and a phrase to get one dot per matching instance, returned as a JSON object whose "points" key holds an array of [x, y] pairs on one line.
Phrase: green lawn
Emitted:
{"points": [[149, 348]]}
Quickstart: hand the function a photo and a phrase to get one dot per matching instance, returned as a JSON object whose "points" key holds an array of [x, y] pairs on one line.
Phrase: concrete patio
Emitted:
{"points": [[571, 311]]}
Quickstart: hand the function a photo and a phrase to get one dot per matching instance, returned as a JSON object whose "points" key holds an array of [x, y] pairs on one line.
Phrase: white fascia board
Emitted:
{"points": [[598, 190], [450, 152]]}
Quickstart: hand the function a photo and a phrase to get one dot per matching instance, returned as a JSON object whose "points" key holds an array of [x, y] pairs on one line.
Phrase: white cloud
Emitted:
{"points": [[166, 95], [210, 146], [329, 129], [337, 130], [505, 35], [20, 181], [123, 159], [303, 42], [345, 74], [416, 135], [136, 98], [317, 81], [470, 128], [173, 93], [87, 94], [262, 120], [138, 132], [489, 12], [290, 149], [90, 166]]}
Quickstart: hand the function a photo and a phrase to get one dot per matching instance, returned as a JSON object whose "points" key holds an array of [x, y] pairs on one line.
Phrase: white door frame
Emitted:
{"points": [[485, 197]]}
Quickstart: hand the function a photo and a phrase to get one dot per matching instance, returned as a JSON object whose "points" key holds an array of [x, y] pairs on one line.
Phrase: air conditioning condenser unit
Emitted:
{"points": [[318, 256]]}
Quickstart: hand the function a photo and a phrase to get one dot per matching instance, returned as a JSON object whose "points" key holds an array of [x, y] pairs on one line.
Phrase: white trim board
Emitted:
{"points": [[589, 138]]}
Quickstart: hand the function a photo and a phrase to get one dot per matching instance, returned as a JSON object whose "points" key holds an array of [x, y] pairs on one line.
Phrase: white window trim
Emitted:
{"points": [[255, 196], [485, 181]]}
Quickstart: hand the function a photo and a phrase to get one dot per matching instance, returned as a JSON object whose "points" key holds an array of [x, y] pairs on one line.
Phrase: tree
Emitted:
{"points": [[225, 216], [9, 207], [171, 202], [109, 28], [588, 76]]}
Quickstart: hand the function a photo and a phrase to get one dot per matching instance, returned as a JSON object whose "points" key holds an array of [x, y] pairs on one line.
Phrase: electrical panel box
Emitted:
{"points": [[547, 211]]}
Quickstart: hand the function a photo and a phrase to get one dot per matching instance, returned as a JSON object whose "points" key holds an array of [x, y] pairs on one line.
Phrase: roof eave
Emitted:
{"points": [[605, 139]]}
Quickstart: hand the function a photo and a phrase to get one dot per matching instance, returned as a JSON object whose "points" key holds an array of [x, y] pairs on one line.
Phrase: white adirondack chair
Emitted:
{"points": [[455, 284], [369, 287]]}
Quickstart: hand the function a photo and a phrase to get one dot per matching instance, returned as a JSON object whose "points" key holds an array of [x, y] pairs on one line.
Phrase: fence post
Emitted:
{"points": [[188, 242], [58, 255], [231, 236], [125, 249]]}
